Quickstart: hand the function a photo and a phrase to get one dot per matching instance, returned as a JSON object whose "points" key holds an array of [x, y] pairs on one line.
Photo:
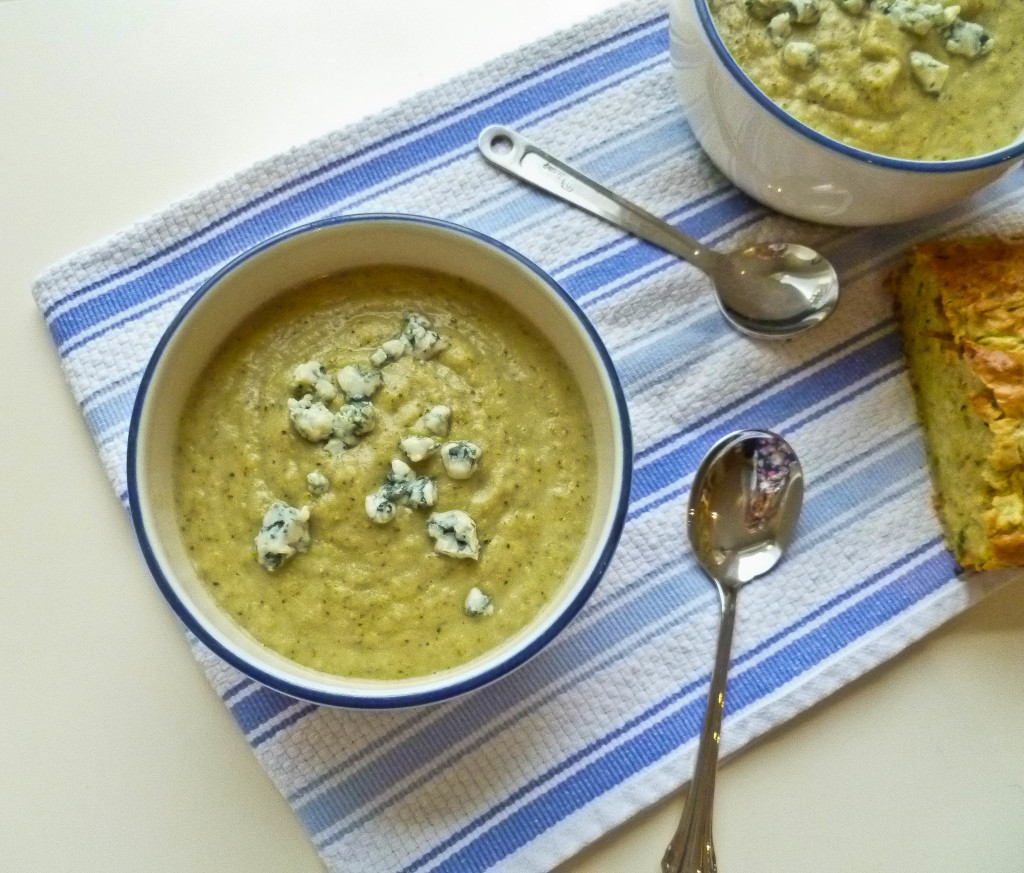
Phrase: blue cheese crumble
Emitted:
{"points": [[359, 382], [931, 74], [424, 343], [803, 11], [379, 508], [918, 18], [478, 603], [353, 421], [422, 492], [402, 487], [800, 55], [389, 352], [967, 38], [317, 483], [454, 534], [398, 480], [437, 420], [460, 458], [310, 418], [285, 531], [417, 448], [311, 377], [779, 29]]}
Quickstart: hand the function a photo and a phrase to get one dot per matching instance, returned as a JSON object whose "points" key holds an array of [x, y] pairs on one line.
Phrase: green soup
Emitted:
{"points": [[921, 80], [376, 600]]}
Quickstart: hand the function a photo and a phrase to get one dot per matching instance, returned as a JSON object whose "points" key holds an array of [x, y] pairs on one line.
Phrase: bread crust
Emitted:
{"points": [[977, 286]]}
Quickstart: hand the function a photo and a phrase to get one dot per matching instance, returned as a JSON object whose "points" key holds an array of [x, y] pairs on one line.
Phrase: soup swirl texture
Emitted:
{"points": [[369, 599]]}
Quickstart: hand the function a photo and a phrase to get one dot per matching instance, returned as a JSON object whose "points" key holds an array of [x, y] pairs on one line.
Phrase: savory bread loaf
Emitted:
{"points": [[960, 308]]}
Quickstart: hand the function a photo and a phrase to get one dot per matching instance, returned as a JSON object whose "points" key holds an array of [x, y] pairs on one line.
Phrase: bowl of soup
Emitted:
{"points": [[379, 461], [852, 112]]}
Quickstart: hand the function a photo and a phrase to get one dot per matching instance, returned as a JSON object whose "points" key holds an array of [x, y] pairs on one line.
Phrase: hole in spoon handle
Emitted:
{"points": [[498, 145], [519, 157]]}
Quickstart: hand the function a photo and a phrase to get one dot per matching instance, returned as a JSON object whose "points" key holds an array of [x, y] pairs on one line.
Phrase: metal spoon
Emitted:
{"points": [[772, 290], [743, 508]]}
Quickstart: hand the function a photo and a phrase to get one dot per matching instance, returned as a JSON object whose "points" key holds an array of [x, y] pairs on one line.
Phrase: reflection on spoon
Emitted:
{"points": [[772, 290]]}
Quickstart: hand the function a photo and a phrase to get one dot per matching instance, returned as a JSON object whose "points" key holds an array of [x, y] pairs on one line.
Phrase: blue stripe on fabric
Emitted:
{"points": [[629, 259], [518, 202], [300, 713], [709, 438], [259, 707], [675, 352], [595, 636], [135, 315], [532, 119], [622, 593], [672, 217], [856, 491], [236, 689], [665, 134], [838, 376], [687, 457], [335, 208], [345, 183], [98, 393], [589, 301], [701, 217], [621, 36], [893, 490], [566, 683], [758, 213], [662, 738], [116, 434], [113, 410], [884, 375], [834, 352]]}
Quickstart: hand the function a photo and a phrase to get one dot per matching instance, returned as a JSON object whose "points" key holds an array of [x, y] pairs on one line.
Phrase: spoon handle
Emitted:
{"points": [[691, 849], [506, 149]]}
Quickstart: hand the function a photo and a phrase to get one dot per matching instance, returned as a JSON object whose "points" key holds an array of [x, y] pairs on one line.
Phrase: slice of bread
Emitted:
{"points": [[960, 309]]}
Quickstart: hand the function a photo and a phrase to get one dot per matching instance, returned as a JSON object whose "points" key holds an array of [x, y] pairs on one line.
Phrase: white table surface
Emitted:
{"points": [[115, 754]]}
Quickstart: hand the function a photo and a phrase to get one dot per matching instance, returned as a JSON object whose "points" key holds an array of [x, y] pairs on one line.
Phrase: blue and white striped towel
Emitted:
{"points": [[523, 773]]}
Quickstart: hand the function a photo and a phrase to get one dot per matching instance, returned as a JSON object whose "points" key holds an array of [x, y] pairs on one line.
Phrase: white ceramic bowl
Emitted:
{"points": [[289, 260], [791, 167]]}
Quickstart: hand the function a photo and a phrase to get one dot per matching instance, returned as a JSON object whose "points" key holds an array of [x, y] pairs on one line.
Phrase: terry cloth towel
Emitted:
{"points": [[521, 774]]}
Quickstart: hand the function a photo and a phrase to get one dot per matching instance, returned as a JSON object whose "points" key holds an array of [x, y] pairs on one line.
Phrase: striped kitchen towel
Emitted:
{"points": [[521, 774]]}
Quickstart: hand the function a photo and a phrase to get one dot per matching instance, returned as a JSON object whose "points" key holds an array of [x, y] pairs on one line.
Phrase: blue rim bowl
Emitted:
{"points": [[789, 166], [281, 263], [988, 159]]}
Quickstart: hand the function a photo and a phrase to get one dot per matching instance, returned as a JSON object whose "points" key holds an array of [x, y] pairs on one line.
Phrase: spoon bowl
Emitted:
{"points": [[771, 290], [743, 509], [744, 504], [775, 289]]}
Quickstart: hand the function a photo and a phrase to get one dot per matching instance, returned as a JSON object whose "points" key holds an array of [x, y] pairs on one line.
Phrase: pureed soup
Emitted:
{"points": [[384, 473], [918, 80]]}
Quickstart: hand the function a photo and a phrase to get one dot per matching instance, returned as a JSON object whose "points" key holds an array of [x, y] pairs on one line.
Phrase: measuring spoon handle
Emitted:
{"points": [[517, 156]]}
